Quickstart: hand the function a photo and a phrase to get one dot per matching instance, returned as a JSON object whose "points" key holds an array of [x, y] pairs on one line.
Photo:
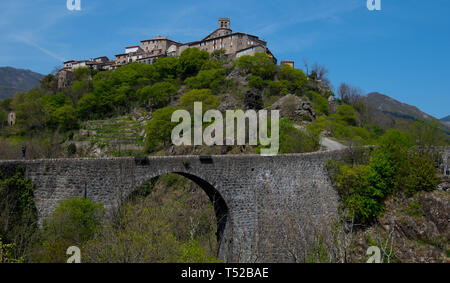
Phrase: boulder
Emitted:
{"points": [[294, 108]]}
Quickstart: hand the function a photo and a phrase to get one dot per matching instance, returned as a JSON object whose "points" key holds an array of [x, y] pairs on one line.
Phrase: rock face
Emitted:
{"points": [[416, 228], [332, 105], [295, 108], [238, 77]]}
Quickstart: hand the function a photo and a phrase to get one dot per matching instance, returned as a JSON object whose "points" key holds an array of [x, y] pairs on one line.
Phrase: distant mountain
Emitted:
{"points": [[396, 109], [446, 119], [15, 80]]}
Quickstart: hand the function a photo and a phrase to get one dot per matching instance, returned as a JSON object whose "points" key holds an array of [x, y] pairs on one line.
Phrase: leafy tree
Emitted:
{"points": [[347, 114], [295, 79], [78, 89], [82, 73], [65, 117], [212, 79], [159, 129], [191, 61], [73, 222], [277, 88], [256, 82], [30, 113], [260, 65], [204, 96], [157, 95], [320, 103], [18, 220], [88, 106]]}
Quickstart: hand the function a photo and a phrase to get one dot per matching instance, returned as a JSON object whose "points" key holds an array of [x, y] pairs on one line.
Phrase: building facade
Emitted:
{"points": [[234, 45]]}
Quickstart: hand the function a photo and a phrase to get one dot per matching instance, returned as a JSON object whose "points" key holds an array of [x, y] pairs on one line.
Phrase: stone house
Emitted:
{"points": [[11, 118], [233, 44]]}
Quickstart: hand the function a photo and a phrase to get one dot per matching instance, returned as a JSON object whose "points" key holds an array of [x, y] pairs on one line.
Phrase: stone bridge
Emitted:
{"points": [[262, 204]]}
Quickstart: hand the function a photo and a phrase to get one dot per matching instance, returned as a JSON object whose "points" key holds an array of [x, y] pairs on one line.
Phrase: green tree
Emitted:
{"points": [[260, 65], [65, 117], [204, 96], [295, 79], [157, 95], [346, 114], [165, 68], [88, 106], [159, 129], [191, 61], [320, 103], [30, 113], [212, 79]]}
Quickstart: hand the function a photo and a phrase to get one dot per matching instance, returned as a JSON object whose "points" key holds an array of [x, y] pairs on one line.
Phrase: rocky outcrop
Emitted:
{"points": [[416, 228], [294, 108]]}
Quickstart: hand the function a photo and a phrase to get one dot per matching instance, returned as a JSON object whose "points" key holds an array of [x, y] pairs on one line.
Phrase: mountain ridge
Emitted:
{"points": [[13, 80], [396, 109]]}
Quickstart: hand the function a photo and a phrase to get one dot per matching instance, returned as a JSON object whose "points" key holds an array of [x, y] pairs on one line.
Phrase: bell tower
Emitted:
{"points": [[224, 23]]}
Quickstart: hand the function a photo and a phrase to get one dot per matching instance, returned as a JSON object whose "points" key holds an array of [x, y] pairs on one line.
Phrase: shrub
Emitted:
{"points": [[293, 140], [320, 103], [347, 114], [75, 219], [295, 79], [394, 167], [18, 216], [422, 175]]}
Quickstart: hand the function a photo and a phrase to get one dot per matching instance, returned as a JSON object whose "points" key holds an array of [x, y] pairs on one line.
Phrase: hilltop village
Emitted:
{"points": [[234, 46]]}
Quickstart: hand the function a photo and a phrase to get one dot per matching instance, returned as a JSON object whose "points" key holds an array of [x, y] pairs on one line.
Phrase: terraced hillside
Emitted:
{"points": [[121, 136]]}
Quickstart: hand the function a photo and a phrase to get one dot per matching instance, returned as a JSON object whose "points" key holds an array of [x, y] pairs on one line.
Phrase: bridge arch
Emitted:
{"points": [[221, 208]]}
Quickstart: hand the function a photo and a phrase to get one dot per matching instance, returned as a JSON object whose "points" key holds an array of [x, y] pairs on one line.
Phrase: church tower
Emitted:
{"points": [[224, 23]]}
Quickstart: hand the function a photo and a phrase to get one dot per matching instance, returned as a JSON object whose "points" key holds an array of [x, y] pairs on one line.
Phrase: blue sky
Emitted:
{"points": [[402, 50]]}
